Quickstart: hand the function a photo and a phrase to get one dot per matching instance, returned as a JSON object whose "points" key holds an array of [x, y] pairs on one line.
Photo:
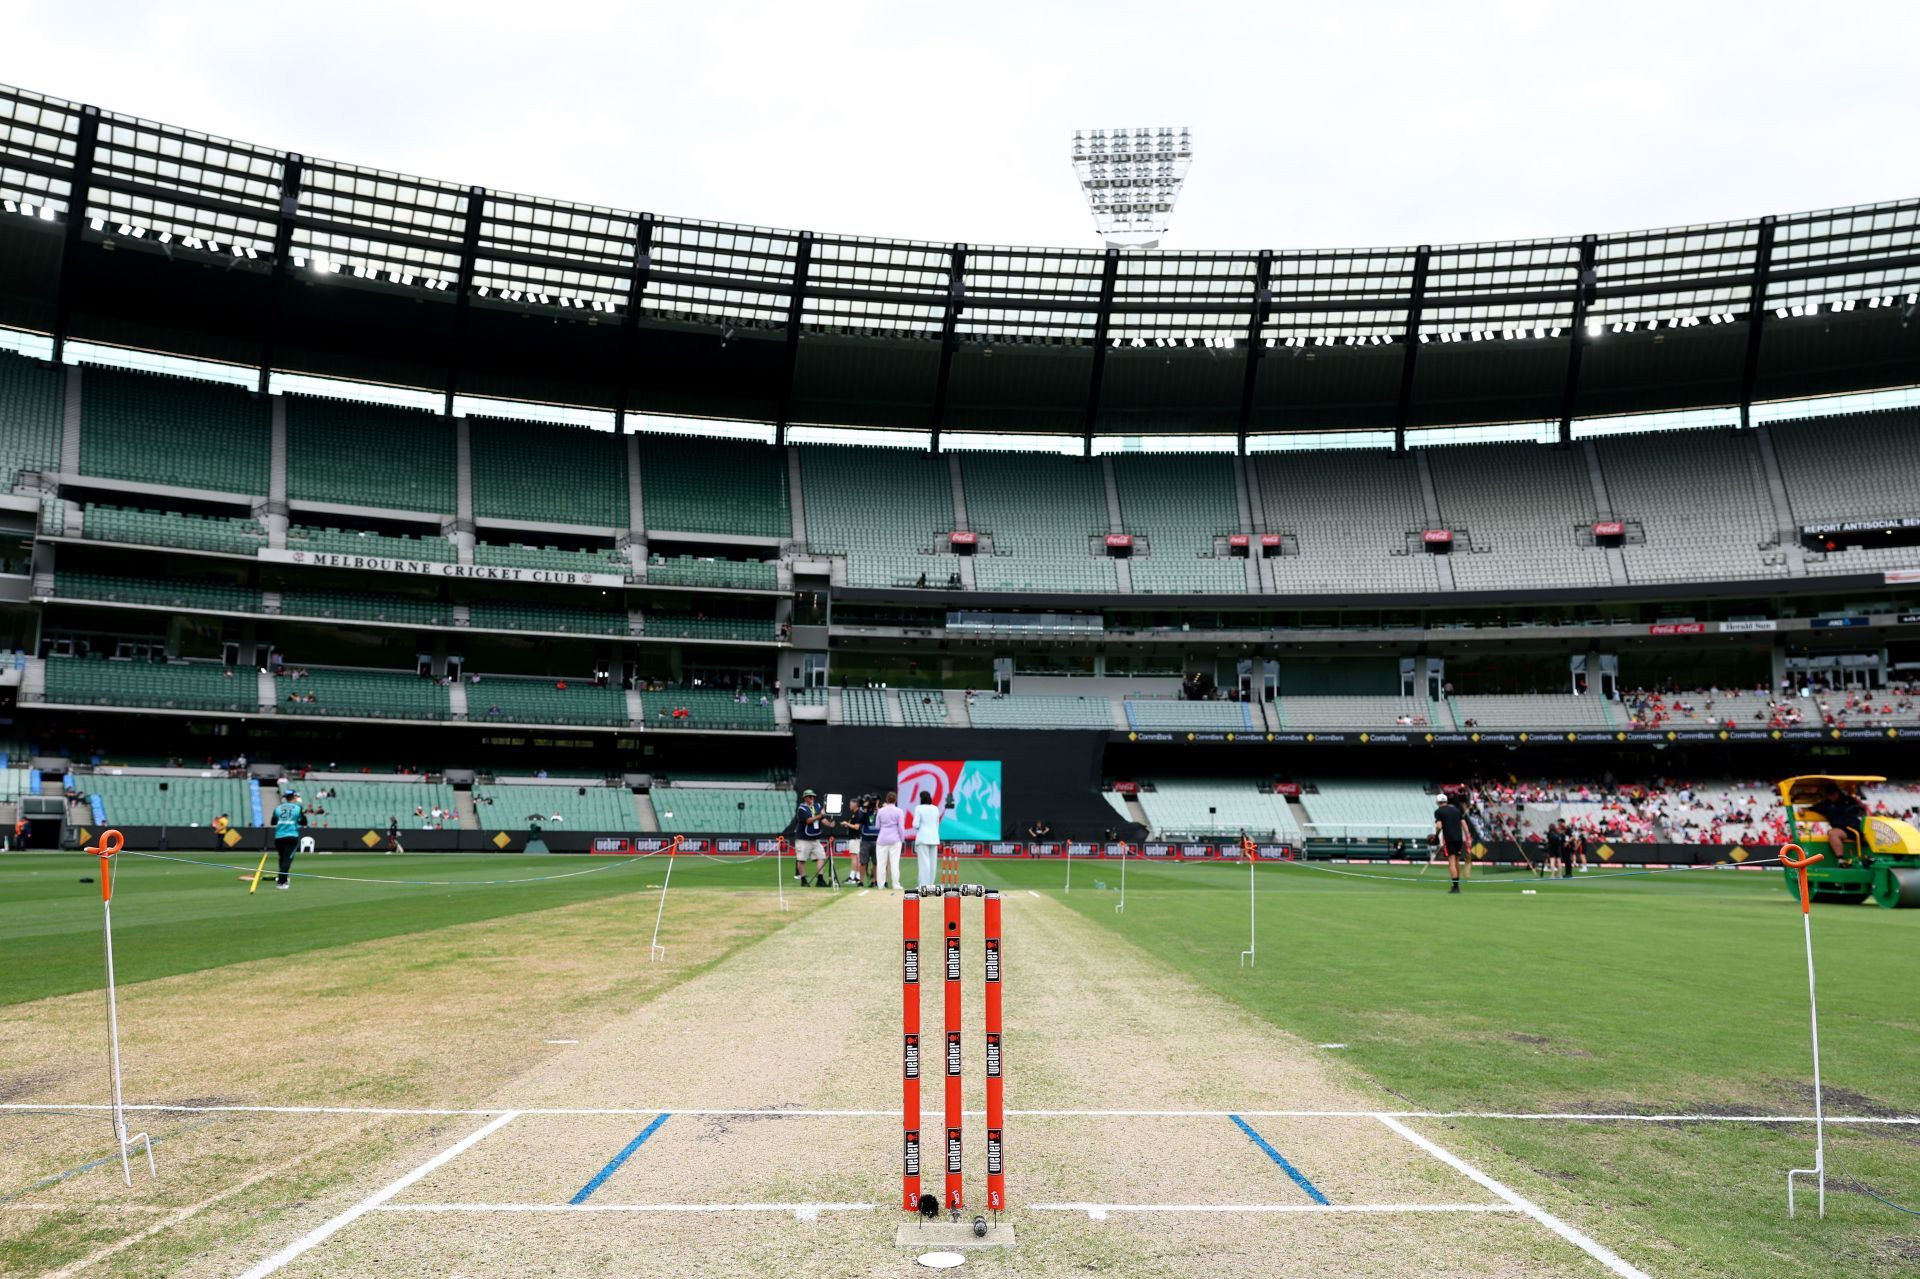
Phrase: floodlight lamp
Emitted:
{"points": [[46, 213]]}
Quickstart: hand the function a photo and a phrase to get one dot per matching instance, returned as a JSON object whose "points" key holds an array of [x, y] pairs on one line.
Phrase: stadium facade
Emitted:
{"points": [[1422, 499]]}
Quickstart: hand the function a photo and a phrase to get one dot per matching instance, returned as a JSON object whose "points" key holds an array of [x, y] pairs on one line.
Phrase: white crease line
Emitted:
{"points": [[321, 1234], [802, 1113], [1098, 1211], [1031, 893], [1598, 1251], [804, 1211]]}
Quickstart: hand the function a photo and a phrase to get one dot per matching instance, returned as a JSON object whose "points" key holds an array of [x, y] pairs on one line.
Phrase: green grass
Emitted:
{"points": [[1664, 993], [170, 918]]}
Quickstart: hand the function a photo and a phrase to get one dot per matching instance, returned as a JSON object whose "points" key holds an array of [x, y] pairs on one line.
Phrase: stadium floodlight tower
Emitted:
{"points": [[1131, 178]]}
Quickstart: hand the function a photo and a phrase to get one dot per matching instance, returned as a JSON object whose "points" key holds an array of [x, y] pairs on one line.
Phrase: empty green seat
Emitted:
{"points": [[302, 537], [554, 474], [690, 570], [169, 430], [706, 708], [585, 805], [365, 607], [1180, 502], [722, 810], [187, 801], [31, 394], [501, 616], [697, 485], [329, 442], [235, 535], [95, 681], [169, 592], [887, 510], [690, 626], [512, 700], [368, 693], [515, 555]]}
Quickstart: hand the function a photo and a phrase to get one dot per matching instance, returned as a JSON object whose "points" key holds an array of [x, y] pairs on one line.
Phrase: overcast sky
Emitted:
{"points": [[1326, 124]]}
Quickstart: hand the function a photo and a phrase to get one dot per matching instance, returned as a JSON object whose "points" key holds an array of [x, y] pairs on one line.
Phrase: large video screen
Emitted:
{"points": [[972, 786]]}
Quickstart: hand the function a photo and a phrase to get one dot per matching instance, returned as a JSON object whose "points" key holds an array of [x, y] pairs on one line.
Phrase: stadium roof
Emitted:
{"points": [[216, 249]]}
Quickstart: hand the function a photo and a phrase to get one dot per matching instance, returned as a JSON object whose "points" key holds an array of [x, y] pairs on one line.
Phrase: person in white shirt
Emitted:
{"points": [[926, 838]]}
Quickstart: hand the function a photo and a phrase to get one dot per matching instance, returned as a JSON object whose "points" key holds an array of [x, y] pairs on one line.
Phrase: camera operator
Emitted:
{"points": [[866, 851], [806, 829]]}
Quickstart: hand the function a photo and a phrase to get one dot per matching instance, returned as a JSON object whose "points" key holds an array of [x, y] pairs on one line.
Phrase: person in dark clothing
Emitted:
{"points": [[288, 818], [1040, 832], [863, 827], [1844, 815], [806, 830], [1556, 848], [1450, 832]]}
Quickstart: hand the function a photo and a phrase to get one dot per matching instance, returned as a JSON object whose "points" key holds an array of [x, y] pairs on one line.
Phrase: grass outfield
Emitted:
{"points": [[1678, 993]]}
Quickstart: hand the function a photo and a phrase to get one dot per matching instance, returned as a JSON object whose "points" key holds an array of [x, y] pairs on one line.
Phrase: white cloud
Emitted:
{"points": [[1314, 124]]}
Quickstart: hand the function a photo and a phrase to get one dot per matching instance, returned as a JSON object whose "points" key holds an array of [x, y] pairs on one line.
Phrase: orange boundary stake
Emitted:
{"points": [[910, 1051], [110, 845], [1819, 1169], [1250, 851]]}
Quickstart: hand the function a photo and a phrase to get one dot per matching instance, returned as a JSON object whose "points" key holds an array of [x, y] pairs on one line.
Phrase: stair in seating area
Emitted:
{"points": [[463, 807], [957, 715], [649, 818]]}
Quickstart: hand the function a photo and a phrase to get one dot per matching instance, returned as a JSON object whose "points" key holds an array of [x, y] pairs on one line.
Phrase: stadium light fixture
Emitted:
{"points": [[1131, 179]]}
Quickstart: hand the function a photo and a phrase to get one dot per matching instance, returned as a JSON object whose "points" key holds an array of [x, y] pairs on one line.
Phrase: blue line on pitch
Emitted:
{"points": [[626, 1153], [1299, 1178]]}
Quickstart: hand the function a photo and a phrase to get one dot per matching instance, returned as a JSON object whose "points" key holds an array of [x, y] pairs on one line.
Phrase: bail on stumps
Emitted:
{"points": [[111, 842], [1819, 1169]]}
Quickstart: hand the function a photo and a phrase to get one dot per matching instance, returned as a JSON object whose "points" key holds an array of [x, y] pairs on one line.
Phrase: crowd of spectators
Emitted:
{"points": [[1666, 811], [1792, 705]]}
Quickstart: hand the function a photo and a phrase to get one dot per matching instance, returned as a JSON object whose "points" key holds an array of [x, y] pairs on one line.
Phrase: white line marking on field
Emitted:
{"points": [[1099, 1211], [1329, 1045], [321, 1234], [1598, 1251], [861, 893], [801, 1113], [801, 1211], [1031, 893], [563, 1041]]}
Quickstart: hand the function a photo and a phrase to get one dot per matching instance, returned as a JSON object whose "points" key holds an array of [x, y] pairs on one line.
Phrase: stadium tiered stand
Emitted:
{"points": [[330, 441], [1333, 711], [1524, 507], [697, 485], [1701, 499], [30, 408], [1179, 807], [1232, 717], [1535, 710], [1043, 513], [368, 693], [554, 474], [235, 535], [168, 592], [924, 707], [501, 698], [689, 626], [15, 782], [884, 509], [1349, 513], [1042, 711], [371, 805], [170, 430], [807, 697], [514, 555], [359, 542], [707, 708], [1180, 501], [100, 681], [586, 805], [546, 617], [187, 801], [864, 706], [365, 606], [708, 808], [1368, 810], [1854, 468], [693, 570]]}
